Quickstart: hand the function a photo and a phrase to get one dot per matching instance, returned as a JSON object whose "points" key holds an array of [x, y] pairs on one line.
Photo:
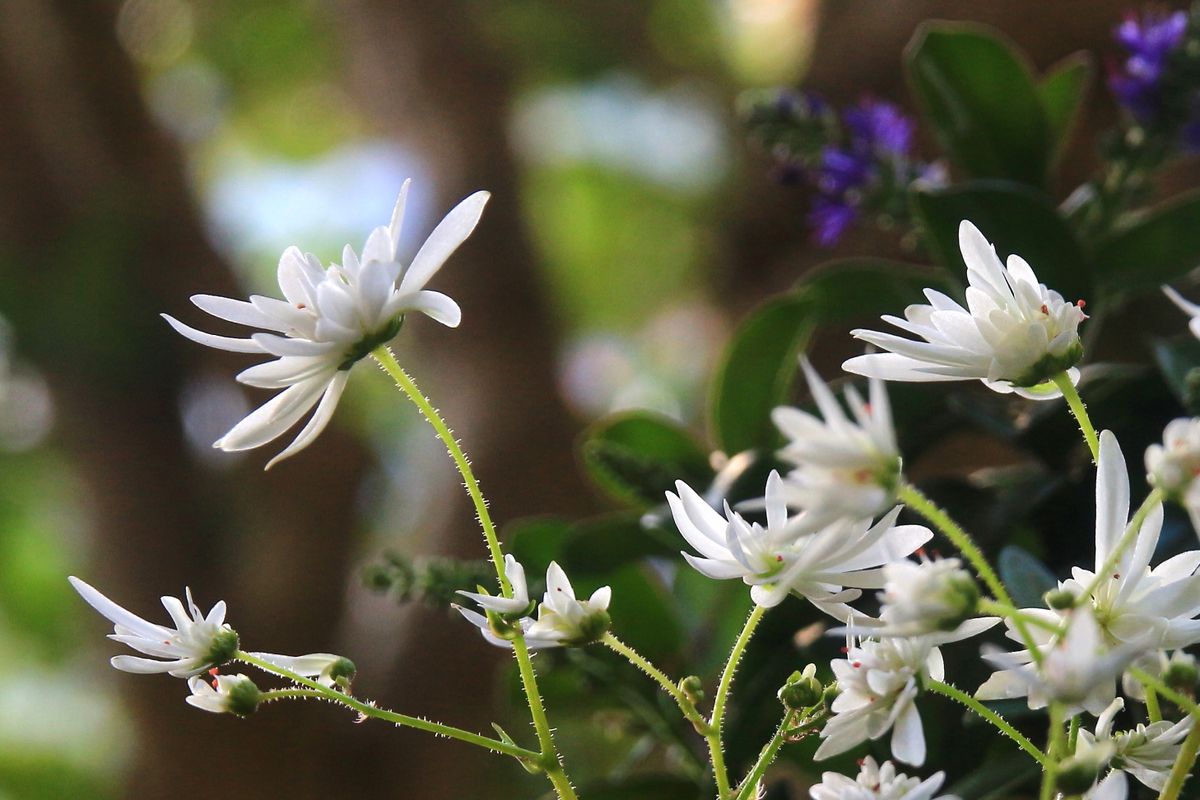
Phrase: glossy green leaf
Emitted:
{"points": [[1016, 219], [760, 363], [1062, 91], [603, 544], [637, 456], [536, 541], [756, 372], [979, 96], [1026, 577], [1158, 248]]}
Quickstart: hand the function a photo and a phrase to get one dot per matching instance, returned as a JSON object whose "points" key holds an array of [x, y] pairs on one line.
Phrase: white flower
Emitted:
{"points": [[519, 604], [229, 694], [878, 682], [197, 642], [1135, 600], [1014, 335], [562, 621], [1079, 669], [1189, 308], [325, 668], [875, 782], [1147, 753], [828, 567], [1173, 465], [329, 320], [1113, 787], [844, 468], [926, 596]]}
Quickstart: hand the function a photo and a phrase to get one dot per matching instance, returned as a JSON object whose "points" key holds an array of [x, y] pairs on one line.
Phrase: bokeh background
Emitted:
{"points": [[152, 149]]}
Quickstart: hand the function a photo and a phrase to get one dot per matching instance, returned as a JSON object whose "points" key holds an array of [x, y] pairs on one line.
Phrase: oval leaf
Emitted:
{"points": [[1160, 247], [637, 457], [979, 96], [1026, 577], [1016, 219]]}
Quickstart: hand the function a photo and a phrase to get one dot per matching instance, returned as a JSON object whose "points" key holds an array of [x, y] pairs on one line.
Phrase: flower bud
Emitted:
{"points": [[1181, 673], [1060, 599], [830, 694], [1076, 774], [693, 689], [802, 689], [227, 694], [928, 596]]}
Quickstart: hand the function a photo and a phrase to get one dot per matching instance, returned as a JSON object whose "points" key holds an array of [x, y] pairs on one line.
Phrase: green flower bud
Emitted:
{"points": [[1060, 599], [1181, 674], [242, 698], [693, 689], [802, 689]]}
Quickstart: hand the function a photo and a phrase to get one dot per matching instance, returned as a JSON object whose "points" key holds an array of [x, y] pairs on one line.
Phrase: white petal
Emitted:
{"points": [[320, 418], [228, 343], [275, 416], [445, 239]]}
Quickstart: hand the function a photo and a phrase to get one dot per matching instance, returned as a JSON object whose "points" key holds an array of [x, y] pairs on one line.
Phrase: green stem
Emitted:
{"points": [[1073, 734], [660, 677], [289, 694], [1079, 410], [1184, 762], [765, 758], [1127, 539], [1054, 751], [1185, 703], [368, 710], [1152, 707], [1000, 723], [715, 746], [915, 499], [549, 752]]}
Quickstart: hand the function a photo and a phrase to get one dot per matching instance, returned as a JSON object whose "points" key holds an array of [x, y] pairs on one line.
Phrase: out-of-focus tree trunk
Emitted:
{"points": [[430, 78], [98, 232]]}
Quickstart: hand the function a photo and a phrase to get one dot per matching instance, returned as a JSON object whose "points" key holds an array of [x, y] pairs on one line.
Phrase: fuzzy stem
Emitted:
{"points": [[1184, 762], [368, 710], [1184, 702], [549, 752], [1057, 741], [715, 746], [765, 758], [1152, 707], [1001, 724], [660, 677], [1079, 411]]}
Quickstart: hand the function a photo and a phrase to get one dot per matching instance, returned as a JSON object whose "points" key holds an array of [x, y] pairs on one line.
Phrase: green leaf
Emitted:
{"points": [[1178, 360], [756, 372], [1161, 246], [978, 94], [1062, 91], [536, 541], [760, 363], [637, 456], [601, 545], [1016, 219], [1027, 578]]}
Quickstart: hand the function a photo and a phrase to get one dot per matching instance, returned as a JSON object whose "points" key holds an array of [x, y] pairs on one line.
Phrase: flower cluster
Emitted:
{"points": [[562, 619], [1151, 41]]}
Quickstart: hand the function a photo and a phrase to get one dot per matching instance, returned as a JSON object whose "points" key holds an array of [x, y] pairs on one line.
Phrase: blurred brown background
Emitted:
{"points": [[152, 149]]}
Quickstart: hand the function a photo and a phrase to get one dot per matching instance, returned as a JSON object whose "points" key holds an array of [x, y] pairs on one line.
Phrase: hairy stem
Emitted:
{"points": [[369, 710], [1184, 762], [716, 747], [660, 677], [1079, 411], [549, 752], [1000, 723], [765, 758]]}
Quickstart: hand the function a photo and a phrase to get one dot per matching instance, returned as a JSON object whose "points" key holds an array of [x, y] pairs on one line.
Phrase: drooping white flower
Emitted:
{"points": [[878, 682], [326, 669], [1173, 465], [925, 596], [198, 642], [1147, 752], [329, 320], [843, 467], [562, 619], [228, 694], [1189, 308], [519, 604], [829, 567], [1078, 669], [877, 782], [1014, 335], [1134, 600]]}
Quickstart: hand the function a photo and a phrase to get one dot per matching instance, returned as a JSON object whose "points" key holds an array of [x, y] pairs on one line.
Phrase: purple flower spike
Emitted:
{"points": [[1151, 40]]}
